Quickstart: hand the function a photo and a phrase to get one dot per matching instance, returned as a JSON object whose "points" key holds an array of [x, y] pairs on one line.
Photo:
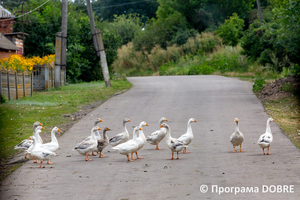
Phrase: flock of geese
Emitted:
{"points": [[93, 144]]}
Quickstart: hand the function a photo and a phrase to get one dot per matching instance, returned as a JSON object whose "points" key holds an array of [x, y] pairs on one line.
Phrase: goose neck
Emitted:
{"points": [[53, 138], [268, 129]]}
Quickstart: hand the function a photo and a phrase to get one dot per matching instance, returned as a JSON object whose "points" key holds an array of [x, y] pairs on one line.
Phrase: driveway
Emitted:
{"points": [[210, 171]]}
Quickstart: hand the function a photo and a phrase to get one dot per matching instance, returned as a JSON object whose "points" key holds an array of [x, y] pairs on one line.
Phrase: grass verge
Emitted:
{"points": [[286, 114], [50, 108]]}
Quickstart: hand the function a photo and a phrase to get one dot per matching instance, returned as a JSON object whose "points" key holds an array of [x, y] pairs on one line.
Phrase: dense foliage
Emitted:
{"points": [[156, 33], [231, 30], [82, 62]]}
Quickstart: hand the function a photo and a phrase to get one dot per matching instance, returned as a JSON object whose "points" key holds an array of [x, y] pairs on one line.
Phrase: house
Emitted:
{"points": [[16, 44]]}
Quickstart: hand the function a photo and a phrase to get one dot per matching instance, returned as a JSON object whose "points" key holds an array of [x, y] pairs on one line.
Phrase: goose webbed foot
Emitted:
{"points": [[137, 156], [157, 148], [49, 163], [87, 158], [241, 149], [129, 158]]}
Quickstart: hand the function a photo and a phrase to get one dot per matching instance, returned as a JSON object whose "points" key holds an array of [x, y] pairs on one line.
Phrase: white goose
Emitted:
{"points": [[188, 136], [86, 147], [266, 139], [130, 146], [157, 136], [174, 144], [97, 134], [40, 153], [36, 134], [25, 144], [141, 140], [121, 137], [53, 145], [237, 137]]}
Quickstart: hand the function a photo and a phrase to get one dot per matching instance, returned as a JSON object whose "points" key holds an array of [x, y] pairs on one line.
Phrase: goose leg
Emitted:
{"points": [[268, 150], [101, 155], [264, 151], [42, 163], [49, 163], [241, 148], [234, 148], [87, 157], [128, 158], [177, 155], [132, 156], [93, 154], [26, 155], [137, 157], [157, 148], [184, 150], [172, 156]]}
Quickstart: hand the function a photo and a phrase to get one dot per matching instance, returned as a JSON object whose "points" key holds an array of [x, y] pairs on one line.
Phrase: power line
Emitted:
{"points": [[121, 4], [27, 12]]}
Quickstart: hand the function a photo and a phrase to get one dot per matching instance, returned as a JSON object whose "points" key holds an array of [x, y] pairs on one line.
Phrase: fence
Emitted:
{"points": [[43, 77], [15, 85]]}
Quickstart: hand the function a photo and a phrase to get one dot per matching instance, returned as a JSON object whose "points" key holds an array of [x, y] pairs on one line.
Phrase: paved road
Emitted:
{"points": [[214, 101]]}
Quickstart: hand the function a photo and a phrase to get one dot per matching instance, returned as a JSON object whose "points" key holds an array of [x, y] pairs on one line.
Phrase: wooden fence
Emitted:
{"points": [[15, 85]]}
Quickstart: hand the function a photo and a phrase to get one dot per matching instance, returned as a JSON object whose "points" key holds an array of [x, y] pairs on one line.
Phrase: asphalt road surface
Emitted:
{"points": [[210, 171]]}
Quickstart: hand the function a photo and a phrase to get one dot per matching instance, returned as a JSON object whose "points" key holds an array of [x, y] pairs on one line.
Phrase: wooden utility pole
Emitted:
{"points": [[259, 11], [61, 46], [98, 44], [57, 60], [64, 25]]}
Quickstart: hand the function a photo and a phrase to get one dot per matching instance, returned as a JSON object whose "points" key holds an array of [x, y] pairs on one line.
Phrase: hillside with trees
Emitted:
{"points": [[146, 37]]}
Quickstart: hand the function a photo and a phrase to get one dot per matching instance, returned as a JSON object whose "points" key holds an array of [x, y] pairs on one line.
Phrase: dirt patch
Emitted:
{"points": [[281, 88]]}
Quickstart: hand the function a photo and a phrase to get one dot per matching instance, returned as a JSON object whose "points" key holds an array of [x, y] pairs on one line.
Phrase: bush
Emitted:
{"points": [[202, 69], [231, 31], [259, 82]]}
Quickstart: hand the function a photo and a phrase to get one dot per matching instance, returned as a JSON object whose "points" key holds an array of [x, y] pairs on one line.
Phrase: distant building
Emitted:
{"points": [[10, 42]]}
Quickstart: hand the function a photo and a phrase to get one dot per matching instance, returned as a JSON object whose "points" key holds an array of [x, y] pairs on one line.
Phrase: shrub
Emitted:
{"points": [[259, 82], [200, 69], [231, 31]]}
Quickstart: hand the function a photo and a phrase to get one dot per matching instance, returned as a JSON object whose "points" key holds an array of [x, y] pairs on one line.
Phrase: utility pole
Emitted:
{"points": [[64, 25], [98, 44], [259, 11], [61, 47]]}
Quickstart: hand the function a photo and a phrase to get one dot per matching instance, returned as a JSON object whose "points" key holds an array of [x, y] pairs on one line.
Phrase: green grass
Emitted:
{"points": [[18, 116], [286, 114]]}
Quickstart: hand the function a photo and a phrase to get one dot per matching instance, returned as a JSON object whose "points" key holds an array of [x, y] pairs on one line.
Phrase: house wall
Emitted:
{"points": [[6, 25], [6, 54]]}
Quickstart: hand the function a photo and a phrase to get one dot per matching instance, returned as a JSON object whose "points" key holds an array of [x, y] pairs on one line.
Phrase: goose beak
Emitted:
{"points": [[58, 130], [161, 126], [29, 138], [235, 120], [195, 120], [42, 128], [100, 120], [108, 129], [41, 124], [99, 128], [147, 124], [167, 120], [140, 128], [129, 120], [273, 120]]}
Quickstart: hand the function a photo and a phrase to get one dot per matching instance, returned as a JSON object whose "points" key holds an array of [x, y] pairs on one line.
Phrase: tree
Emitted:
{"points": [[125, 26], [231, 30], [107, 9], [288, 16], [82, 62]]}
